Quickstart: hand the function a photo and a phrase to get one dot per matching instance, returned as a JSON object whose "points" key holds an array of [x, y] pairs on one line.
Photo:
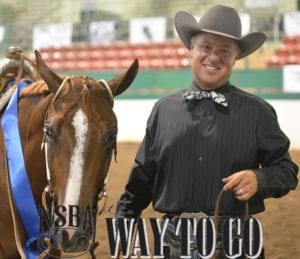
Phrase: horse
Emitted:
{"points": [[72, 119]]}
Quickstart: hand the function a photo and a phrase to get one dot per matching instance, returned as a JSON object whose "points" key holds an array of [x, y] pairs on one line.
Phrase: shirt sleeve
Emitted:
{"points": [[139, 188], [277, 174]]}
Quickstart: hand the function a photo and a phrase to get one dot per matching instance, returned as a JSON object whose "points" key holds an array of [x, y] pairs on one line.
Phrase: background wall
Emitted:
{"points": [[132, 117]]}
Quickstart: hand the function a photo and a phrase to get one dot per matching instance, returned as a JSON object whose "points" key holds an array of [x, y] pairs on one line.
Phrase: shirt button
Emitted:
{"points": [[200, 159]]}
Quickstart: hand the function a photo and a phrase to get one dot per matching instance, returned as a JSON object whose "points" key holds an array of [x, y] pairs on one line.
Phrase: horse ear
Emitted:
{"points": [[120, 83], [52, 80]]}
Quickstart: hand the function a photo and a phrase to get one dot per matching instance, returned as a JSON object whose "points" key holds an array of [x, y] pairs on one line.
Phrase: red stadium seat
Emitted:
{"points": [[125, 63], [172, 63], [96, 54], [139, 53], [182, 52], [284, 50], [154, 52], [168, 54], [97, 65], [125, 53], [82, 65], [56, 55], [144, 64], [112, 64], [83, 55], [70, 55], [110, 54], [184, 62], [45, 56], [289, 39], [156, 63], [276, 61], [67, 65], [291, 60]]}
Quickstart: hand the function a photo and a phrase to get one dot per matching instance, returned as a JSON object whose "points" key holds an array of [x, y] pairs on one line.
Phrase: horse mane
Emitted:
{"points": [[37, 95], [35, 89]]}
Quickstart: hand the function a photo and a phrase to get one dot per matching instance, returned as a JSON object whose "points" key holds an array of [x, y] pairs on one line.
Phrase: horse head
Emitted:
{"points": [[79, 140]]}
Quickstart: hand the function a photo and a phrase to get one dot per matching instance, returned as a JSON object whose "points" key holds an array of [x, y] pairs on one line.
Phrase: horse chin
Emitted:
{"points": [[77, 241]]}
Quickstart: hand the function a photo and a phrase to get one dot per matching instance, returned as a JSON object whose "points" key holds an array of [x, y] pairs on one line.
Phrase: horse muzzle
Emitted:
{"points": [[72, 241]]}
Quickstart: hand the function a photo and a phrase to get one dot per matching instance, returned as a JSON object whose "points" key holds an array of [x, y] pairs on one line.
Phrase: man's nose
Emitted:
{"points": [[214, 54]]}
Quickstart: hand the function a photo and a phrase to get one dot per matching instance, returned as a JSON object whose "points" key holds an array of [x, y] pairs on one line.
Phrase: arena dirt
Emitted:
{"points": [[280, 221]]}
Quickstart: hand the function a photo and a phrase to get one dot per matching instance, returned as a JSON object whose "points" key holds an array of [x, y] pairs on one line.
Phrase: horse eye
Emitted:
{"points": [[110, 138], [49, 132]]}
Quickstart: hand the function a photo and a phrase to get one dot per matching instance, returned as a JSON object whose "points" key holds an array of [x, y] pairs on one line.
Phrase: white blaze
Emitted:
{"points": [[80, 124]]}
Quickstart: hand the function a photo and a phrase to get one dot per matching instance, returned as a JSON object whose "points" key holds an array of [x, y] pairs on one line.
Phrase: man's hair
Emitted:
{"points": [[195, 37]]}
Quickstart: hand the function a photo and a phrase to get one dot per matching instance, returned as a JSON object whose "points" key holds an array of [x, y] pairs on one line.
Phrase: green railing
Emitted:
{"points": [[155, 84]]}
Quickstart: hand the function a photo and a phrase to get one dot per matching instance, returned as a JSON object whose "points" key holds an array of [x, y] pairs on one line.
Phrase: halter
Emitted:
{"points": [[44, 142], [48, 193], [109, 90]]}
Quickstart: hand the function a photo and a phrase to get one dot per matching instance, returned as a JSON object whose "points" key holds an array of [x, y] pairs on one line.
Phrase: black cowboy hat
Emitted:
{"points": [[220, 20]]}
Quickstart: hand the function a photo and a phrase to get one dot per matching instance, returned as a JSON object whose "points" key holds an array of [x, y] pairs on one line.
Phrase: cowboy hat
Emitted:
{"points": [[220, 20]]}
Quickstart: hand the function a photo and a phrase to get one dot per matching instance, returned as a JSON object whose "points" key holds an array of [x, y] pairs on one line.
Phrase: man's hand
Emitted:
{"points": [[243, 183]]}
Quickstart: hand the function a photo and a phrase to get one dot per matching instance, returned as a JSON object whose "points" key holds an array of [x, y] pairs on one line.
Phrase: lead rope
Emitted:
{"points": [[48, 193], [11, 202], [13, 213], [103, 193], [216, 213], [109, 90], [44, 144]]}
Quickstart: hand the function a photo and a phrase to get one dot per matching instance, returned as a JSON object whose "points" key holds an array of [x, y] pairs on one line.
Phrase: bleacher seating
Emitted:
{"points": [[164, 55], [288, 53]]}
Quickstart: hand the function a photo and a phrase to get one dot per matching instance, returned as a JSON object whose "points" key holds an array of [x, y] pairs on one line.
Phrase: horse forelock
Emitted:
{"points": [[86, 102], [91, 94]]}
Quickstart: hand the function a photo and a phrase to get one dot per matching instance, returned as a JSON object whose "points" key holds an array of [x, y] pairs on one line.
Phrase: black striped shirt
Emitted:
{"points": [[190, 146]]}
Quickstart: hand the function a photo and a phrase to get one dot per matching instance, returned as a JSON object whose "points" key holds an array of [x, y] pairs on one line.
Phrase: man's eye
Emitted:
{"points": [[225, 52], [205, 47]]}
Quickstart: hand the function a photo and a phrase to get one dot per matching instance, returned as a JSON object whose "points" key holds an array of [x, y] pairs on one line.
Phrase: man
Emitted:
{"points": [[211, 136]]}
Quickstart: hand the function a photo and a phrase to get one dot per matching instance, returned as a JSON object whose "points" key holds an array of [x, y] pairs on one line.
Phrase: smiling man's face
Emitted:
{"points": [[212, 59]]}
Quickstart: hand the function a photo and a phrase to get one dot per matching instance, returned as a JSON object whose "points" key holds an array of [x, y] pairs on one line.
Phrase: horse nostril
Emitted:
{"points": [[65, 240], [82, 241], [54, 253], [77, 242]]}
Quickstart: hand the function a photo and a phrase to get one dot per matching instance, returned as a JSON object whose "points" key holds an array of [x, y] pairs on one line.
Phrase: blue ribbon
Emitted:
{"points": [[19, 181]]}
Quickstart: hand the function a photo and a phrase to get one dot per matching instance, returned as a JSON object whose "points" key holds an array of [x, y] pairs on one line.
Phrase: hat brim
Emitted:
{"points": [[187, 26]]}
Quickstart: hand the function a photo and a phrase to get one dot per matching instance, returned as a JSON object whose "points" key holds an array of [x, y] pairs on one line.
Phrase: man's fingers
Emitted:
{"points": [[243, 184], [243, 197], [232, 182], [240, 192]]}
